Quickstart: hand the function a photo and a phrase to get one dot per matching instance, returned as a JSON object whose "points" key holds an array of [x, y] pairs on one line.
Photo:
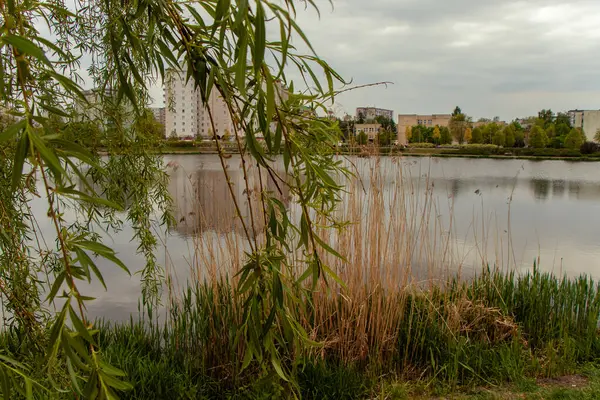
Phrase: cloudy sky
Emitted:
{"points": [[502, 58], [491, 57]]}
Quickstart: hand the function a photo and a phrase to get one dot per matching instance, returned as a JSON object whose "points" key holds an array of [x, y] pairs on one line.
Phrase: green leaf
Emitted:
{"points": [[110, 370], [101, 250], [5, 382], [79, 327], [259, 37], [12, 130], [55, 111], [19, 160], [80, 196], [240, 68], [328, 248], [73, 376], [333, 275], [248, 356], [55, 334], [86, 261], [58, 281], [277, 367], [26, 46], [114, 382], [46, 154], [69, 85]]}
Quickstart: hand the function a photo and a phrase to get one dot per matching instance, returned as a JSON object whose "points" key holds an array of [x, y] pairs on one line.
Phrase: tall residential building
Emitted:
{"points": [[587, 120], [187, 116], [405, 120], [372, 112], [182, 106]]}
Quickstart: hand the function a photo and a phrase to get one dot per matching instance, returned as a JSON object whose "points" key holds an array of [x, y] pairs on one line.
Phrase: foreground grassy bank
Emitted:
{"points": [[495, 330]]}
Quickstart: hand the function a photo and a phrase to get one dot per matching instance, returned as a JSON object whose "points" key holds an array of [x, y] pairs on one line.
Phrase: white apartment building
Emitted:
{"points": [[187, 116], [182, 106], [372, 112]]}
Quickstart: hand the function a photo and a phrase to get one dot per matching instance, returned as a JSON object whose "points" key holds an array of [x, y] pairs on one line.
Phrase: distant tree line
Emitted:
{"points": [[546, 130]]}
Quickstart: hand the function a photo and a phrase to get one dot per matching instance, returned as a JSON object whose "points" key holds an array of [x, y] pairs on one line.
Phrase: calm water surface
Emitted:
{"points": [[554, 215]]}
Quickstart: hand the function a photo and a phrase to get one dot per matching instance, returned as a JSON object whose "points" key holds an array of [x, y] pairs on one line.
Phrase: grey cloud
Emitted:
{"points": [[486, 56]]}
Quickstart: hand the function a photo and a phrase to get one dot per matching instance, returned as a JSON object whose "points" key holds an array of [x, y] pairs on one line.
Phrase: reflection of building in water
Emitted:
{"points": [[558, 188], [541, 188], [203, 200]]}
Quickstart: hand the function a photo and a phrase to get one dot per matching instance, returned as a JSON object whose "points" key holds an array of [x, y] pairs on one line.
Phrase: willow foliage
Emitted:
{"points": [[244, 49]]}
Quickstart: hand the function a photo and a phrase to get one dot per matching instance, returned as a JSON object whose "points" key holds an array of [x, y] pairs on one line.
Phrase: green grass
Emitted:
{"points": [[499, 330]]}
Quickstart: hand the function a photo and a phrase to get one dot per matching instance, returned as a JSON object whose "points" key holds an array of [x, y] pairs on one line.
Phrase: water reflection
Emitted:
{"points": [[558, 188], [551, 214], [540, 188], [202, 198]]}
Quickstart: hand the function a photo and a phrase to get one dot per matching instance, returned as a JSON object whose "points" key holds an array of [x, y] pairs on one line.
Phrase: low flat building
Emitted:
{"points": [[370, 129], [428, 120], [100, 104], [373, 112], [587, 120]]}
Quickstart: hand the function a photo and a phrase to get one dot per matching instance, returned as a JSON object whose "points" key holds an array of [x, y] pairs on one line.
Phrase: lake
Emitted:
{"points": [[510, 212]]}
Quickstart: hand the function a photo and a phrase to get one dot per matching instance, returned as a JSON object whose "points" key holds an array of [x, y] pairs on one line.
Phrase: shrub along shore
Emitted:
{"points": [[416, 150], [495, 329]]}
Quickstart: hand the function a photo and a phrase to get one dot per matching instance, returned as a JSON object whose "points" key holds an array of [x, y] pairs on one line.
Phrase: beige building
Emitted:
{"points": [[370, 129], [588, 120], [406, 120]]}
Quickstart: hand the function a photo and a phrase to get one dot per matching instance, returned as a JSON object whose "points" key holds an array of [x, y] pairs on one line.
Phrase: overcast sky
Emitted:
{"points": [[490, 57]]}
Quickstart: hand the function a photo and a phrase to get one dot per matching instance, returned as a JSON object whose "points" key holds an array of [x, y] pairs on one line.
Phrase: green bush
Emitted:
{"points": [[480, 149], [181, 143], [421, 145]]}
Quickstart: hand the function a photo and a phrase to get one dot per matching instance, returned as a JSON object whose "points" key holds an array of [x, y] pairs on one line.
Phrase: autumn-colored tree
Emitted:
{"points": [[408, 133], [537, 137], [436, 134], [468, 135]]}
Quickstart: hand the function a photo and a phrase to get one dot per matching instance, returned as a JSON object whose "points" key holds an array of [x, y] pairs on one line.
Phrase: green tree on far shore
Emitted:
{"points": [[362, 138], [509, 136], [445, 135], [537, 137], [477, 136], [574, 139], [499, 138]]}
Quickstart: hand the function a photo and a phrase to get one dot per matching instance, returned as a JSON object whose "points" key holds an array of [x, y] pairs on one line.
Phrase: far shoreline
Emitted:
{"points": [[422, 152]]}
